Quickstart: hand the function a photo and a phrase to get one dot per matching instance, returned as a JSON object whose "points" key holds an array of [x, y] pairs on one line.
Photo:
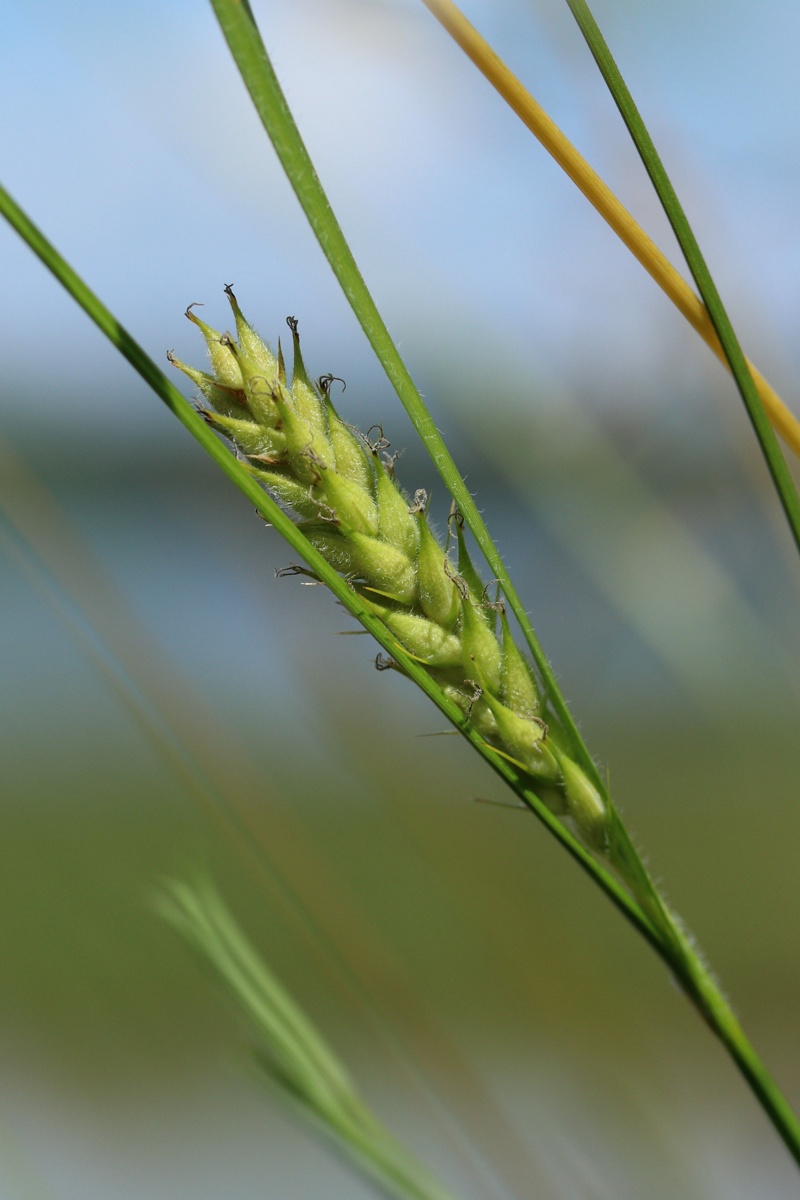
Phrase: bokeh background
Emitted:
{"points": [[168, 705]]}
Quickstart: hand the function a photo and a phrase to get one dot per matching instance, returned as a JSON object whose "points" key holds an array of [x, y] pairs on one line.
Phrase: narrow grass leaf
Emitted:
{"points": [[776, 464], [247, 47], [600, 196], [285, 526], [289, 1051], [645, 913]]}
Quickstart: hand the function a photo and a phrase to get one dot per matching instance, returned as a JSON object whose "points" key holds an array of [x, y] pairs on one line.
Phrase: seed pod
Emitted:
{"points": [[438, 595], [352, 460], [465, 568], [223, 360], [253, 439], [307, 404], [354, 508], [423, 639], [481, 651], [523, 739], [308, 453], [379, 565], [288, 491], [228, 401], [251, 344], [585, 805], [516, 682], [258, 386], [396, 524]]}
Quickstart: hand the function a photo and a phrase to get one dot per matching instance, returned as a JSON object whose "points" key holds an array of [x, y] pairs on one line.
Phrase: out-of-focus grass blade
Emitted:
{"points": [[695, 261], [247, 47], [291, 1054]]}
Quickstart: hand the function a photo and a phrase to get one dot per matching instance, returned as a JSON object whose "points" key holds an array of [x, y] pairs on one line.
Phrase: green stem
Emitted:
{"points": [[695, 977], [646, 912], [283, 524], [248, 50], [771, 450], [699, 985]]}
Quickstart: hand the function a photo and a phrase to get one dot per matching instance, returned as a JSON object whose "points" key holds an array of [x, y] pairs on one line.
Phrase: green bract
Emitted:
{"points": [[354, 512]]}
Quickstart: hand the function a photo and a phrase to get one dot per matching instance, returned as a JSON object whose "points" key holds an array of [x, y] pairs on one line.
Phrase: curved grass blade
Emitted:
{"points": [[291, 1056], [677, 218], [664, 932], [266, 506], [247, 47], [39, 538], [642, 906], [600, 196]]}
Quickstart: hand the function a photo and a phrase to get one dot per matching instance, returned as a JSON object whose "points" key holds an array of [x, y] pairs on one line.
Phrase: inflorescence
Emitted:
{"points": [[341, 487]]}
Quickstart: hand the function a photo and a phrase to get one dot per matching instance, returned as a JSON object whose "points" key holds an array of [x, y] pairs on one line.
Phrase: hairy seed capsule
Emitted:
{"points": [[516, 683], [308, 453], [350, 457], [384, 568], [422, 638], [354, 507], [223, 360], [585, 805], [228, 401], [291, 493], [481, 651], [465, 568], [253, 439], [438, 595], [396, 524], [251, 344]]}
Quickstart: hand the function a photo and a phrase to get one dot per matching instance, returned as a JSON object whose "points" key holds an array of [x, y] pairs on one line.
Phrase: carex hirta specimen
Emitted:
{"points": [[342, 488]]}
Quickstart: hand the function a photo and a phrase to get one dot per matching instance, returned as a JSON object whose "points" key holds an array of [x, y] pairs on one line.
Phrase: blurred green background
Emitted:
{"points": [[168, 704]]}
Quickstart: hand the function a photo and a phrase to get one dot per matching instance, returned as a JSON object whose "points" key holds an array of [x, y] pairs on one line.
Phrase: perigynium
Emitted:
{"points": [[342, 487]]}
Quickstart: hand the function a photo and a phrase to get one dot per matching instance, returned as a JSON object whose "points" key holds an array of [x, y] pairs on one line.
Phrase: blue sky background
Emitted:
{"points": [[130, 140]]}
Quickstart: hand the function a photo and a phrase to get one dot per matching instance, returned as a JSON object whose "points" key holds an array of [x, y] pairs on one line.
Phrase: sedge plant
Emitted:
{"points": [[333, 494]]}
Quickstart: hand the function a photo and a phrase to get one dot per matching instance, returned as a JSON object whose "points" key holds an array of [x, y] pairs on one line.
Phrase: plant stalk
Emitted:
{"points": [[739, 366], [600, 196]]}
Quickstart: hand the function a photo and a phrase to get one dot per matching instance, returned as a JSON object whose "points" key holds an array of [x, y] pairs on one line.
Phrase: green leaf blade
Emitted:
{"points": [[776, 464], [250, 54], [285, 526]]}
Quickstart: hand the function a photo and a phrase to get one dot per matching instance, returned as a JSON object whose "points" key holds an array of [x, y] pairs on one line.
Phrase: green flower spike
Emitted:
{"points": [[351, 508]]}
